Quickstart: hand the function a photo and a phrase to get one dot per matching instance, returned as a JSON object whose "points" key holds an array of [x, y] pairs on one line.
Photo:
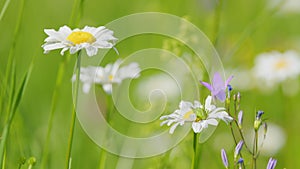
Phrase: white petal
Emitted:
{"points": [[197, 127], [63, 50], [130, 71], [74, 49], [173, 128], [52, 46], [197, 104], [86, 87], [107, 88], [213, 122], [185, 106], [91, 51]]}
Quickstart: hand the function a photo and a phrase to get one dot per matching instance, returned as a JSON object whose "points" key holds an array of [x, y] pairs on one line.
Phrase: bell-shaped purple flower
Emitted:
{"points": [[272, 163], [218, 86]]}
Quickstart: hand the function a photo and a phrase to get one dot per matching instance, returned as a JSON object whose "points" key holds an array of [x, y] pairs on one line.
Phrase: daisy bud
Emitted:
{"points": [[238, 149], [272, 163], [224, 158]]}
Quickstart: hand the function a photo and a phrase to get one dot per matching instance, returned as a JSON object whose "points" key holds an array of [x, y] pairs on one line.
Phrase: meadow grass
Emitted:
{"points": [[37, 123]]}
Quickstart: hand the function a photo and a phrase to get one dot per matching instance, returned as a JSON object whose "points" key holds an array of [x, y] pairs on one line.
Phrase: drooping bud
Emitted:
{"points": [[238, 149], [224, 158]]}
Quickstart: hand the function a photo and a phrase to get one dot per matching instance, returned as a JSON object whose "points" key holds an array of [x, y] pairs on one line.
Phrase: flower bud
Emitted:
{"points": [[240, 119], [224, 158], [258, 121], [238, 149]]}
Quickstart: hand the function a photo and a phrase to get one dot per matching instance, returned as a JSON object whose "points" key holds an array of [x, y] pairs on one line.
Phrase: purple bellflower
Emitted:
{"points": [[272, 163], [218, 86]]}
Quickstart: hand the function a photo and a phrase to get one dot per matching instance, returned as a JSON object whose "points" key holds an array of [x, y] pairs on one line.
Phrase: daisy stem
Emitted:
{"points": [[73, 118], [60, 74], [195, 161]]}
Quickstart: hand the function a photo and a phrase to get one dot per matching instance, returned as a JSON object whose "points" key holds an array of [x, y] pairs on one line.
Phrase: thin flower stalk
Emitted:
{"points": [[73, 118]]}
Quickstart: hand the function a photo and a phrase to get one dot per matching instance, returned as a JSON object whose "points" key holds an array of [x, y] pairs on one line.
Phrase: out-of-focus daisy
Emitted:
{"points": [[218, 86], [108, 75], [200, 116], [88, 38], [274, 67], [285, 6]]}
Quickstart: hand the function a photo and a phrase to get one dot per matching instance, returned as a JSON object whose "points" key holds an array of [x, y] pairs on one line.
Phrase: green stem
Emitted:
{"points": [[195, 161], [254, 157], [73, 21], [10, 59], [73, 119]]}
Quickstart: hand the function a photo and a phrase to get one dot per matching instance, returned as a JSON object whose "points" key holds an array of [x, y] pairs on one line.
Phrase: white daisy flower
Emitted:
{"points": [[286, 6], [88, 38], [274, 67], [108, 75], [200, 116]]}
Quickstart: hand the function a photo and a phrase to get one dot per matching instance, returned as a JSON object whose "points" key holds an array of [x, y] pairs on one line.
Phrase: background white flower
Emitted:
{"points": [[88, 38], [106, 76], [286, 6], [200, 116], [274, 67], [87, 76]]}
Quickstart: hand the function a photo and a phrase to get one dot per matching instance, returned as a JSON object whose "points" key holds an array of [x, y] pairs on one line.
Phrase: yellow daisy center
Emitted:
{"points": [[81, 37], [198, 119], [188, 114], [281, 64], [110, 77]]}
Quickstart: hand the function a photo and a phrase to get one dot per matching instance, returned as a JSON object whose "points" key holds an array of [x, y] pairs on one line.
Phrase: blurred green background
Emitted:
{"points": [[246, 28]]}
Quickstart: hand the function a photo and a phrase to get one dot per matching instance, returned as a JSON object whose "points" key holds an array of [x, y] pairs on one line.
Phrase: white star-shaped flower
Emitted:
{"points": [[88, 38], [200, 116]]}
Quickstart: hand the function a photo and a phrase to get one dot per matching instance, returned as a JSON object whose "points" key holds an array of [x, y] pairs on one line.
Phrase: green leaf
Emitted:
{"points": [[16, 101]]}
